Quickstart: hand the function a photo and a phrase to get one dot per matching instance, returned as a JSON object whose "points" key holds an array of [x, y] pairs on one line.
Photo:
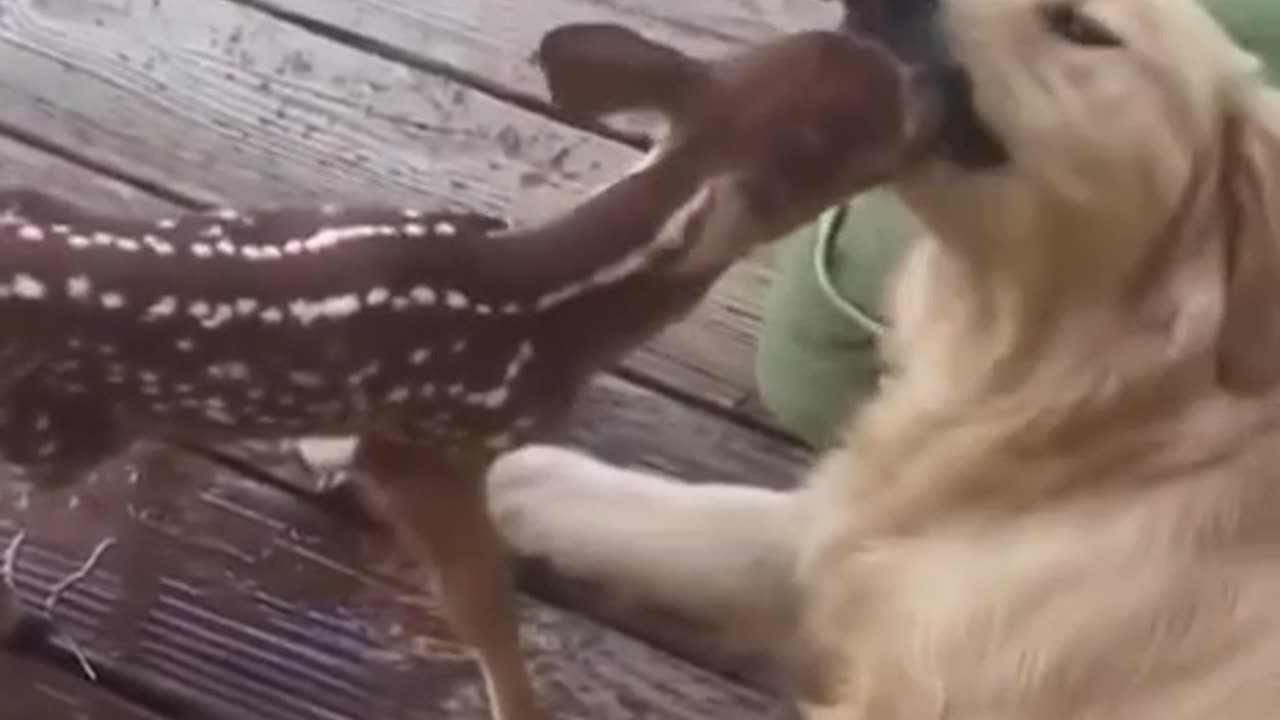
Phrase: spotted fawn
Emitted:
{"points": [[438, 338]]}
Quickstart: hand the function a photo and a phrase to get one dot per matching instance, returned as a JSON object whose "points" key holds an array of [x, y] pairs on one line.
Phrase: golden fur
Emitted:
{"points": [[1065, 502]]}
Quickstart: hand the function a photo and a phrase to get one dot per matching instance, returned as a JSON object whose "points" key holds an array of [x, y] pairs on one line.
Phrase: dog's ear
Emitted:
{"points": [[594, 70], [1248, 359]]}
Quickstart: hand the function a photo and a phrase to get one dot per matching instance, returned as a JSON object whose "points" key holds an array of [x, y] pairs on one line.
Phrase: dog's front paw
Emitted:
{"points": [[568, 509], [536, 493]]}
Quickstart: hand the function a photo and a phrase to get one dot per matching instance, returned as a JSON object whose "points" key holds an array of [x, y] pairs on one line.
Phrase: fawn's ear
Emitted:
{"points": [[596, 70], [1249, 342]]}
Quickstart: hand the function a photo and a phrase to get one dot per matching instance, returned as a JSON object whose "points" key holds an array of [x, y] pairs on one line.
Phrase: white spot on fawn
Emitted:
{"points": [[79, 287], [456, 300], [377, 296], [340, 306], [31, 233], [222, 313], [27, 287], [444, 229], [423, 295], [112, 300], [161, 247], [162, 308]]}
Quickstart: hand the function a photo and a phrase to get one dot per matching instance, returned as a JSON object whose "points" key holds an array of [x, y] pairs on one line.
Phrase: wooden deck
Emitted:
{"points": [[237, 600]]}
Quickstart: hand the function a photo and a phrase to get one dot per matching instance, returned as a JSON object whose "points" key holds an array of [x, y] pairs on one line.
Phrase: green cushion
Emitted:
{"points": [[816, 360], [813, 360]]}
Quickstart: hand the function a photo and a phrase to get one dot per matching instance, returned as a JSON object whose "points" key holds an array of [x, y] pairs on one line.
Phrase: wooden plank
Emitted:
{"points": [[217, 102], [23, 165], [34, 691], [489, 42], [242, 603], [222, 103]]}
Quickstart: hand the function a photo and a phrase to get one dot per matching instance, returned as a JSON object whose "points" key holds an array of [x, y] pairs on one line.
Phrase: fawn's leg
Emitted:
{"points": [[437, 510], [55, 440], [717, 558]]}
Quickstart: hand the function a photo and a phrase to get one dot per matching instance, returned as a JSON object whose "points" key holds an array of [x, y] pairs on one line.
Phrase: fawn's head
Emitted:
{"points": [[797, 123]]}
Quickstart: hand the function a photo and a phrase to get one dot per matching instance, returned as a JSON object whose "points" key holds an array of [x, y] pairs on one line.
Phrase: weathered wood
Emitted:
{"points": [[21, 164], [33, 691], [216, 102], [232, 601], [489, 43]]}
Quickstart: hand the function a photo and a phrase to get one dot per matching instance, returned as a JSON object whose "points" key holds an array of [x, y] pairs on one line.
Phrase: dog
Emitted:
{"points": [[1062, 503]]}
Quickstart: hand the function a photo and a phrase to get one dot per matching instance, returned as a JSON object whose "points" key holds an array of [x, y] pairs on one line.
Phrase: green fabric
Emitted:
{"points": [[814, 363]]}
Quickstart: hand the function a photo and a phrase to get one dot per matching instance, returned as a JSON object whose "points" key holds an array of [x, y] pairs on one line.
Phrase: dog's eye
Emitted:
{"points": [[1071, 24]]}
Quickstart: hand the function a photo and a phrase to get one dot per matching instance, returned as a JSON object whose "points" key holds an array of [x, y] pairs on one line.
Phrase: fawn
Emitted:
{"points": [[439, 339]]}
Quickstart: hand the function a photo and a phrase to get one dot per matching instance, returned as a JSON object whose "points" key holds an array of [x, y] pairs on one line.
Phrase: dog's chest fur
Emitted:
{"points": [[1159, 604]]}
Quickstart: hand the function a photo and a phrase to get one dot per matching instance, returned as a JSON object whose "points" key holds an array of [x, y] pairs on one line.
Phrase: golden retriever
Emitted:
{"points": [[1065, 501]]}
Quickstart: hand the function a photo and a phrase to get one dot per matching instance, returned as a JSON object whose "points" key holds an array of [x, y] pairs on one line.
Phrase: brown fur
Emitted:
{"points": [[1064, 503]]}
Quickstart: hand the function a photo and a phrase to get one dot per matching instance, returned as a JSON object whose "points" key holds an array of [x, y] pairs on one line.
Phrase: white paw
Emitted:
{"points": [[556, 504], [696, 549]]}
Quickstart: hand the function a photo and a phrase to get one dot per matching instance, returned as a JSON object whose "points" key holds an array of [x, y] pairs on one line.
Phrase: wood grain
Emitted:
{"points": [[231, 601], [21, 164], [216, 102], [489, 43]]}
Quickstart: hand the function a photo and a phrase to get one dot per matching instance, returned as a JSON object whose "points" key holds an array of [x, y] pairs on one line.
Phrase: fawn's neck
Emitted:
{"points": [[610, 240]]}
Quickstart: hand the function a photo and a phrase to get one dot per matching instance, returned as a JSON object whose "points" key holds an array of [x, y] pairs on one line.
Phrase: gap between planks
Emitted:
{"points": [[529, 102]]}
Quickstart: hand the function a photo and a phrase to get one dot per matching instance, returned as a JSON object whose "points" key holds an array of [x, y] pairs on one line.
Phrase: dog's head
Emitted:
{"points": [[1117, 142]]}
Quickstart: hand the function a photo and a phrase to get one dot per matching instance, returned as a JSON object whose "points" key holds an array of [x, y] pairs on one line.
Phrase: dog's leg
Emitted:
{"points": [[442, 518], [718, 558]]}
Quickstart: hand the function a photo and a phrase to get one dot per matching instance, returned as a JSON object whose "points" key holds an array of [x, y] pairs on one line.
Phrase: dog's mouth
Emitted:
{"points": [[909, 29]]}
